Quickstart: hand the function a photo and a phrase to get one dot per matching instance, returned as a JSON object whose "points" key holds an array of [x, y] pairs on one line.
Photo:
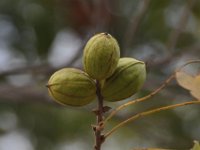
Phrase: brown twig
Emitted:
{"points": [[145, 113], [175, 34], [24, 94], [139, 99], [163, 85], [135, 22], [99, 138], [151, 149], [44, 69]]}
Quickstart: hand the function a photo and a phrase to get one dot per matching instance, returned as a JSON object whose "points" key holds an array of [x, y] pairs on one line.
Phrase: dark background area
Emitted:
{"points": [[38, 37]]}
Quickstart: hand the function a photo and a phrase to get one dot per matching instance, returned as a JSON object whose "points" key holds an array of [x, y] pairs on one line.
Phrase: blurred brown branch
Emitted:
{"points": [[175, 34], [174, 37], [134, 24], [27, 93], [44, 69]]}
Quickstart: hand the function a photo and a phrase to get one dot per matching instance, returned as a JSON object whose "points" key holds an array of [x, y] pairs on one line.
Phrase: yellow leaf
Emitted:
{"points": [[196, 146], [190, 83], [195, 91], [196, 94], [185, 80]]}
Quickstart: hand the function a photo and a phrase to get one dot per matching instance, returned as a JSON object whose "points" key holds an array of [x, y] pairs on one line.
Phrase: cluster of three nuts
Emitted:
{"points": [[120, 77]]}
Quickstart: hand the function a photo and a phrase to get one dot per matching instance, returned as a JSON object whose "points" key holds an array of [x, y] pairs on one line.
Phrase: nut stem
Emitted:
{"points": [[99, 138]]}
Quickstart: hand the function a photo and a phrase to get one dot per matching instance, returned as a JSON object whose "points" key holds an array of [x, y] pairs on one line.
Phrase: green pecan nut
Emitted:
{"points": [[71, 86], [101, 55], [127, 79]]}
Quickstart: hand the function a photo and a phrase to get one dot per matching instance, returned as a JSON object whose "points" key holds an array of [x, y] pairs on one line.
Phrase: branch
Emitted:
{"points": [[44, 69], [163, 85], [139, 99], [190, 50], [175, 34], [10, 93], [145, 113], [99, 138], [135, 22]]}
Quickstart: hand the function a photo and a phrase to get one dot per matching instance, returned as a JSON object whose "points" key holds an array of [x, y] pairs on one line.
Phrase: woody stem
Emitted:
{"points": [[99, 138]]}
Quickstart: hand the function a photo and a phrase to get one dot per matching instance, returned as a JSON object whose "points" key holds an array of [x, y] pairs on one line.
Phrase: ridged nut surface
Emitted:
{"points": [[71, 86], [127, 79], [101, 55]]}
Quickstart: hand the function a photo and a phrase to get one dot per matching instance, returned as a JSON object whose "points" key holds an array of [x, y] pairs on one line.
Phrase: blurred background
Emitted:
{"points": [[38, 37]]}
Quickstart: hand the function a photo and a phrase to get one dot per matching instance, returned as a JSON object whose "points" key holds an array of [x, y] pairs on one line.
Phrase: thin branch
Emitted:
{"points": [[151, 149], [44, 69], [145, 113], [151, 94], [35, 69], [27, 94], [135, 22], [175, 34], [176, 55], [139, 99]]}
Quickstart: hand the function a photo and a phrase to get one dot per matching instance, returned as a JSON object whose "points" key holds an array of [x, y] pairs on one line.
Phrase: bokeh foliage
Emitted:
{"points": [[164, 34]]}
